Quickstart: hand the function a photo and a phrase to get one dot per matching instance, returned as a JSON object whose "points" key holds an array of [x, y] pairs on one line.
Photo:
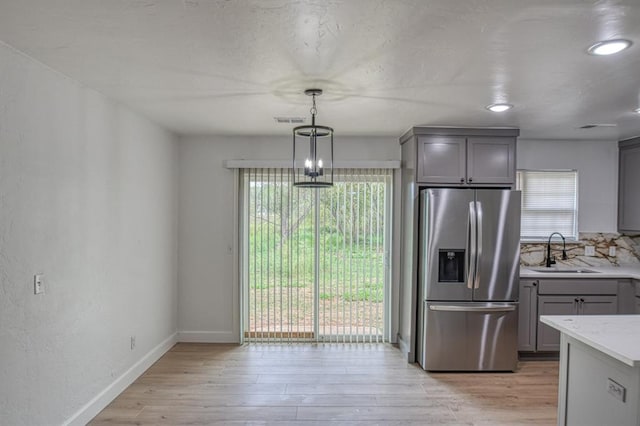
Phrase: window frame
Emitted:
{"points": [[574, 237]]}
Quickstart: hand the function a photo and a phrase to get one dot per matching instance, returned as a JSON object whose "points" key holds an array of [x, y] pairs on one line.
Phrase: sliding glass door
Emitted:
{"points": [[315, 261]]}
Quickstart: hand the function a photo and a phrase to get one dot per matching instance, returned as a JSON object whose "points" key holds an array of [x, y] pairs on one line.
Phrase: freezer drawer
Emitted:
{"points": [[470, 337]]}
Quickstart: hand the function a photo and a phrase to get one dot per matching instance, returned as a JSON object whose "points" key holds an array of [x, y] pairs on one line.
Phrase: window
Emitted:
{"points": [[549, 203]]}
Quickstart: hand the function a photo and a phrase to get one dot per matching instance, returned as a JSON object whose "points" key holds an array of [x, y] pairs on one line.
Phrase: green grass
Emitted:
{"points": [[282, 242], [325, 296], [291, 263], [366, 293]]}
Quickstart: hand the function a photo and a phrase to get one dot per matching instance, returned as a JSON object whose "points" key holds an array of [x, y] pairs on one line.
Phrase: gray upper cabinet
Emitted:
{"points": [[491, 160], [628, 194], [442, 159], [636, 285], [464, 156]]}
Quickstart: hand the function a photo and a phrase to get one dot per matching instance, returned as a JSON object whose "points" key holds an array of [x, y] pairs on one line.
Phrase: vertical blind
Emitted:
{"points": [[315, 262], [549, 203]]}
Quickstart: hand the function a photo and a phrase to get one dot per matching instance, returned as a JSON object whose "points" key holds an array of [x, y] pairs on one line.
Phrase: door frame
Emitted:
{"points": [[391, 248]]}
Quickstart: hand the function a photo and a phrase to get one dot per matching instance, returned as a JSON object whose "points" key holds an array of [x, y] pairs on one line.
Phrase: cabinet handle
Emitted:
{"points": [[576, 300], [461, 180], [581, 300], [535, 283], [470, 179]]}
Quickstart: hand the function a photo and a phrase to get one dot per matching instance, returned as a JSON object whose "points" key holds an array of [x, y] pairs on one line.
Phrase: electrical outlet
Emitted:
{"points": [[589, 250], [616, 389], [133, 342], [38, 284], [612, 251]]}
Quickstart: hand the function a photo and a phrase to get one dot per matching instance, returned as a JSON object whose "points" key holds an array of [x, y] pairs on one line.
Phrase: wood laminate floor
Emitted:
{"points": [[327, 384]]}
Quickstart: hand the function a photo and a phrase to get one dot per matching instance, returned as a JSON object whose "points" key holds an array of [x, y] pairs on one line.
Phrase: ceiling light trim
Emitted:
{"points": [[594, 125], [609, 47], [499, 107]]}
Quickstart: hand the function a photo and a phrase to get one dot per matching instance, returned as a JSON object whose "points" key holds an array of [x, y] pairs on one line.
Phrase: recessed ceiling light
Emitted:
{"points": [[591, 126], [499, 107], [637, 110], [609, 47]]}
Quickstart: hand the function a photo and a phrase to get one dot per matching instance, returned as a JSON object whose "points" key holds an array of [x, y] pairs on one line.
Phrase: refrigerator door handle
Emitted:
{"points": [[458, 308], [476, 281], [471, 245]]}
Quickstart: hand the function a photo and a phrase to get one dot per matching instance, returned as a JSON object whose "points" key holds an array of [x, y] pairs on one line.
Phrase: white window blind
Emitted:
{"points": [[315, 262], [549, 203]]}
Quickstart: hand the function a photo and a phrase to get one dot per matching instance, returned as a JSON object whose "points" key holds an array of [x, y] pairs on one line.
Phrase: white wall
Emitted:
{"points": [[597, 165], [87, 197], [208, 298]]}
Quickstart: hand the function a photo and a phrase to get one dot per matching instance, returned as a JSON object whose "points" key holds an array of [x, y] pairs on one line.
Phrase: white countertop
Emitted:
{"points": [[615, 335], [623, 271]]}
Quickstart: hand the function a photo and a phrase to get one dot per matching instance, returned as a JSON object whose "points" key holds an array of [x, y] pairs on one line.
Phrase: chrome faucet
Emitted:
{"points": [[552, 260]]}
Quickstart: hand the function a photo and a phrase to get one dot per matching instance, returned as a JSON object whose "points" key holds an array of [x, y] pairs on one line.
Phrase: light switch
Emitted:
{"points": [[38, 284]]}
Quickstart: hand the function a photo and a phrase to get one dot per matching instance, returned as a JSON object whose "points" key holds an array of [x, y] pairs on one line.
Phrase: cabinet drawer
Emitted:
{"points": [[578, 286]]}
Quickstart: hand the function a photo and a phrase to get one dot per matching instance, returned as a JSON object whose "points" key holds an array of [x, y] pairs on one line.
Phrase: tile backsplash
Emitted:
{"points": [[627, 251]]}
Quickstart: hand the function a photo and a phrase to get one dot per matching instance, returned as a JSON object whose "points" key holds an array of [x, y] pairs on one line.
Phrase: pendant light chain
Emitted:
{"points": [[313, 110]]}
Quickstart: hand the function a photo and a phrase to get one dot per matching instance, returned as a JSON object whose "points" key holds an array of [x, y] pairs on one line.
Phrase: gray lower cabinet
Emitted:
{"points": [[548, 338], [626, 297], [561, 297], [527, 315]]}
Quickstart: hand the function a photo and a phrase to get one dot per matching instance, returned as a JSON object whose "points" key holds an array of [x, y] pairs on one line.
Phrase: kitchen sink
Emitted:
{"points": [[565, 271]]}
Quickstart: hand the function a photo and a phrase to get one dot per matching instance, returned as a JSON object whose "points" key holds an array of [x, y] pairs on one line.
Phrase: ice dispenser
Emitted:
{"points": [[451, 266]]}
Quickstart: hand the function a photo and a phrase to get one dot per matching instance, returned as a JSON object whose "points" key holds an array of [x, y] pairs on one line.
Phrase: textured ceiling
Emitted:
{"points": [[230, 67]]}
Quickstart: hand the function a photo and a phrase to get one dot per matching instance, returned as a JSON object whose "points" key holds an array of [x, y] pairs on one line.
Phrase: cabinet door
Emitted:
{"points": [[628, 195], [626, 297], [442, 159], [598, 305], [549, 338], [637, 305], [491, 160], [528, 316]]}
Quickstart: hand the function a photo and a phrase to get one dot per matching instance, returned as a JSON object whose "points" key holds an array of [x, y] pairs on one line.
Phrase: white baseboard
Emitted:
{"points": [[207, 337], [104, 398], [404, 347]]}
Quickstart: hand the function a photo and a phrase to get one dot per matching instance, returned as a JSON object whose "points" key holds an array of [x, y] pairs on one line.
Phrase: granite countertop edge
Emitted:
{"points": [[609, 334], [620, 272]]}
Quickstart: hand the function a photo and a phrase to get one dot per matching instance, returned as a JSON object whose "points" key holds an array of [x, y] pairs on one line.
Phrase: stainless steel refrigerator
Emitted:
{"points": [[468, 279]]}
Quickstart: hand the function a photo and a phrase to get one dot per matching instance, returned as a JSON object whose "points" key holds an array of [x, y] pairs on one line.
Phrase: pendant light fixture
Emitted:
{"points": [[313, 151]]}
